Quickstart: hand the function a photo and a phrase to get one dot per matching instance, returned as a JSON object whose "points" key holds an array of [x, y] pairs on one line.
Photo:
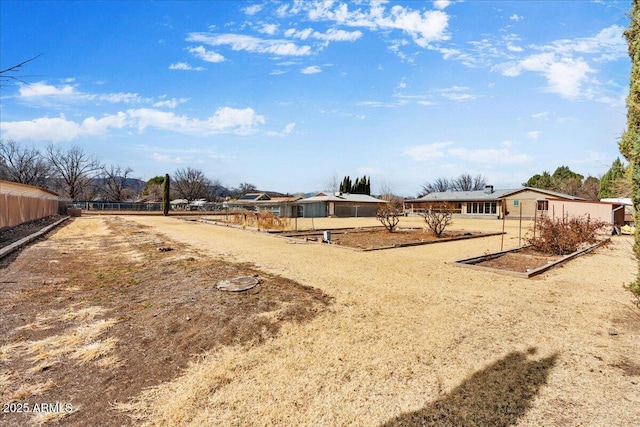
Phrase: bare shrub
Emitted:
{"points": [[438, 218], [561, 236], [263, 220], [389, 216]]}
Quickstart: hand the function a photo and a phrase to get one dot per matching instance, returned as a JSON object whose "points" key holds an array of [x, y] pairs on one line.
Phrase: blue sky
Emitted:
{"points": [[286, 95]]}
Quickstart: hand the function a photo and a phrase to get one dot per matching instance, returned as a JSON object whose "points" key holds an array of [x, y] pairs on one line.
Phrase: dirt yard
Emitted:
{"points": [[373, 239], [385, 338]]}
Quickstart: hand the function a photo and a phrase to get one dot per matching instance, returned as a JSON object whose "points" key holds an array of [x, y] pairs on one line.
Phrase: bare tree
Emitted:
{"points": [[217, 191], [332, 185], [389, 215], [386, 194], [23, 165], [465, 182], [243, 189], [190, 184], [115, 183], [440, 185], [438, 218], [10, 74], [74, 168]]}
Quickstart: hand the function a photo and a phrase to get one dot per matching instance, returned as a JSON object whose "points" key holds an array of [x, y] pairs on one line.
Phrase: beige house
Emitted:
{"points": [[525, 203], [262, 202]]}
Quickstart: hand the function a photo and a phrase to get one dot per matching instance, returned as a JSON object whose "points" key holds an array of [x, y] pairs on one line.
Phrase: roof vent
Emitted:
{"points": [[488, 189]]}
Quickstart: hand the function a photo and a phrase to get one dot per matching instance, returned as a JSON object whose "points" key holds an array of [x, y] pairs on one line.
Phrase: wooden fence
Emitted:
{"points": [[21, 203]]}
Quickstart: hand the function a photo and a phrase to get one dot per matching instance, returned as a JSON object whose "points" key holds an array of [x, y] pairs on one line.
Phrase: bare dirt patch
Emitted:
{"points": [[11, 235], [379, 238], [98, 313], [522, 261]]}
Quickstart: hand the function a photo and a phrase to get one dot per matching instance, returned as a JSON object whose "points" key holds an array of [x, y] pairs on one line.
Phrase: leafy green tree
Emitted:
{"points": [[630, 141], [613, 182], [360, 186], [540, 181]]}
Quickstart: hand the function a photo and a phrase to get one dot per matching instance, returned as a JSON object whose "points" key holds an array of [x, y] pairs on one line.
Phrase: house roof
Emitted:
{"points": [[10, 187], [619, 200], [486, 196], [252, 197], [342, 197]]}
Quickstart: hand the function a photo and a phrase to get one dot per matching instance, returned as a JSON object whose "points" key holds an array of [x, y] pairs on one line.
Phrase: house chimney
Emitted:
{"points": [[488, 189]]}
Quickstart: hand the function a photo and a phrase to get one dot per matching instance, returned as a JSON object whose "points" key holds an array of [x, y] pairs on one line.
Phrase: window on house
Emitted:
{"points": [[485, 208], [543, 205]]}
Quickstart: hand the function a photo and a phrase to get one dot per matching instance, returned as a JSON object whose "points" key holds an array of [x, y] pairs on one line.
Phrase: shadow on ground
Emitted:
{"points": [[498, 395]]}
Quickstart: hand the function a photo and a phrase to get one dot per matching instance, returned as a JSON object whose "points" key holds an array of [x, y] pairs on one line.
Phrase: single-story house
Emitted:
{"points": [[262, 202], [525, 202], [341, 205]]}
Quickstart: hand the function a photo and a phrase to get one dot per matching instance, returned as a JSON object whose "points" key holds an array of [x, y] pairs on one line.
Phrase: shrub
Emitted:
{"points": [[389, 216], [264, 220], [561, 236], [438, 218]]}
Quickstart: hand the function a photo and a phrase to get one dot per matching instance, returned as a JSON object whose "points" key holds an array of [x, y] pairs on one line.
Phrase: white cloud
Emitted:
{"points": [[60, 129], [566, 64], [337, 35], [225, 120], [314, 69], [43, 89], [121, 97], [270, 29], [289, 128], [441, 4], [423, 27], [457, 93], [170, 103], [514, 48], [609, 43], [565, 76], [253, 9], [534, 134], [427, 152], [488, 156], [516, 17], [164, 158], [205, 55], [542, 115], [184, 66], [239, 42]]}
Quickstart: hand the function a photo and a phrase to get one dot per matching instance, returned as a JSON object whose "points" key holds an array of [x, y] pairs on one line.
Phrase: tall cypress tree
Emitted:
{"points": [[165, 195], [630, 141]]}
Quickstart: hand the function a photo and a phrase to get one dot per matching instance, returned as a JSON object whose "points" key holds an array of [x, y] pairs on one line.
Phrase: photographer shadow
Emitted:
{"points": [[498, 395]]}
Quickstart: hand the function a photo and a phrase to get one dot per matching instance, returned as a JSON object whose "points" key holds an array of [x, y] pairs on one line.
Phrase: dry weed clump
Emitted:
{"points": [[561, 236], [263, 220]]}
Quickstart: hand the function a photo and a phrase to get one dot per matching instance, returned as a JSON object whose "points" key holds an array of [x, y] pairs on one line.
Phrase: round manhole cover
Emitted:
{"points": [[238, 284]]}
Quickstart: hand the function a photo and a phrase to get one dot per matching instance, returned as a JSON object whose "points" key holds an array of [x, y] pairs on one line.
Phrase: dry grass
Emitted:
{"points": [[27, 390], [262, 220], [78, 342], [412, 340]]}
